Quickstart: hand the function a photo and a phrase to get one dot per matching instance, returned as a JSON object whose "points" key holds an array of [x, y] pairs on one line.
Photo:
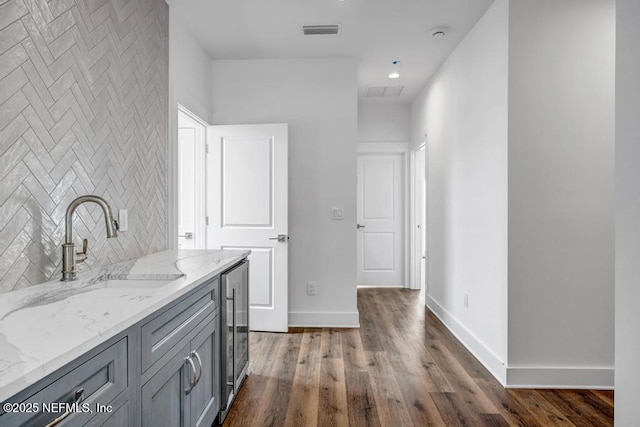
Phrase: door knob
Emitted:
{"points": [[358, 226], [281, 238], [187, 235]]}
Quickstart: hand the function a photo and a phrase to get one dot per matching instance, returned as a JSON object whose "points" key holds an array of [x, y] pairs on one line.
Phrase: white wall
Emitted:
{"points": [[627, 213], [561, 219], [464, 111], [384, 122], [318, 99], [189, 70]]}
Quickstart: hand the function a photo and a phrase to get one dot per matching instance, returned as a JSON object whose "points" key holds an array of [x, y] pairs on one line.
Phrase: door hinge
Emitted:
{"points": [[206, 220], [206, 148]]}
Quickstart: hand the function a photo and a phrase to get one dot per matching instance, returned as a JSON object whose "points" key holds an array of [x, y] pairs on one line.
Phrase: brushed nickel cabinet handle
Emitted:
{"points": [[78, 398], [192, 382], [197, 356]]}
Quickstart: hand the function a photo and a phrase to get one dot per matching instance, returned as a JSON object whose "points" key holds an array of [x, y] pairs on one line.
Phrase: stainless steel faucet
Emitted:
{"points": [[69, 248]]}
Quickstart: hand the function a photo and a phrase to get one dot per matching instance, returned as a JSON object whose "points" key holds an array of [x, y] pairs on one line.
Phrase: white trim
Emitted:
{"points": [[172, 182], [379, 287], [601, 378], [177, 100], [172, 165], [383, 147], [192, 115], [318, 319], [200, 126], [480, 351], [560, 377], [414, 282], [403, 149]]}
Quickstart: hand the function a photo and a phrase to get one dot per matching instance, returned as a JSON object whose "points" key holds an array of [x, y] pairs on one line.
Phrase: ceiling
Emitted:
{"points": [[376, 32]]}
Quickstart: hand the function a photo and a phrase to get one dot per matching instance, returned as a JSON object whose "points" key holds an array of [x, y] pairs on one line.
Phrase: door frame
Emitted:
{"points": [[200, 205], [415, 257], [401, 148], [172, 166]]}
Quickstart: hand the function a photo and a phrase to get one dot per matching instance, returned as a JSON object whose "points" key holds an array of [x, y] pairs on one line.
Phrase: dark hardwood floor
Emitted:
{"points": [[401, 368]]}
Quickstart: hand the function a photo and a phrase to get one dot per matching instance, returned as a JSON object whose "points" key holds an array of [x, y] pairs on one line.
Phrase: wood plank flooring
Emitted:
{"points": [[401, 368]]}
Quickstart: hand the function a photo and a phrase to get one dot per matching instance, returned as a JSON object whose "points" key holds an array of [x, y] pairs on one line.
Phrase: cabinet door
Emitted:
{"points": [[164, 399], [119, 418], [205, 396]]}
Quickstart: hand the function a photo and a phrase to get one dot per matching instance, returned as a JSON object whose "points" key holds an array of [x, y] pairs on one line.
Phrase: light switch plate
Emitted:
{"points": [[337, 212], [123, 220]]}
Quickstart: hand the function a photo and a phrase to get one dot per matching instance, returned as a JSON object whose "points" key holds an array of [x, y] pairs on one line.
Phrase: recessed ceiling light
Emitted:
{"points": [[395, 70]]}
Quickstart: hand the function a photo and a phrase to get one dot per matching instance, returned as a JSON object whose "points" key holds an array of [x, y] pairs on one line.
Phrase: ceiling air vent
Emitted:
{"points": [[384, 91], [318, 30]]}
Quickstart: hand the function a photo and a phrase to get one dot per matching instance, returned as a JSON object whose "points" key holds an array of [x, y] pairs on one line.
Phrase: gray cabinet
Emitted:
{"points": [[163, 371], [164, 396], [98, 380], [167, 329], [205, 396], [181, 382], [185, 390], [120, 414], [120, 417]]}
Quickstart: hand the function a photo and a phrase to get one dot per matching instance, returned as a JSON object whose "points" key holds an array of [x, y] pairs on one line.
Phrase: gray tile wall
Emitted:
{"points": [[83, 110]]}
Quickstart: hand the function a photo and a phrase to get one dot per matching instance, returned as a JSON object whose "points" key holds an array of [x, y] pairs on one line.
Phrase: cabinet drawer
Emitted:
{"points": [[102, 378], [164, 331]]}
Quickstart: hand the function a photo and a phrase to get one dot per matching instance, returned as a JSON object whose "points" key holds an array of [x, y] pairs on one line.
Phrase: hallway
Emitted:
{"points": [[398, 369]]}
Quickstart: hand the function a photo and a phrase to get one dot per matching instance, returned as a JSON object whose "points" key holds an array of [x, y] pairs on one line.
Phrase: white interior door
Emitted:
{"points": [[380, 219], [247, 200], [186, 187], [191, 177]]}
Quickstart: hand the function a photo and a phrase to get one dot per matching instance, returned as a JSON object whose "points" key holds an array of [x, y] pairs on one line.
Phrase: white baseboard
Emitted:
{"points": [[524, 376], [380, 287], [560, 377], [319, 319], [479, 350]]}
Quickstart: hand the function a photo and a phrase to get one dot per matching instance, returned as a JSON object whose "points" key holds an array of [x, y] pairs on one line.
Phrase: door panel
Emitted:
{"points": [[379, 251], [186, 188], [261, 295], [378, 175], [247, 185], [380, 215], [191, 181], [247, 197]]}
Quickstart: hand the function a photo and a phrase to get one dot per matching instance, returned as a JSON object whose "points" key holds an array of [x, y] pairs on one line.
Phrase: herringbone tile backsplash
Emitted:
{"points": [[83, 110]]}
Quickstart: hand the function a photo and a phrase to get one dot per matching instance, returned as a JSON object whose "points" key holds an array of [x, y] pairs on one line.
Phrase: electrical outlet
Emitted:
{"points": [[311, 288], [123, 220], [466, 300]]}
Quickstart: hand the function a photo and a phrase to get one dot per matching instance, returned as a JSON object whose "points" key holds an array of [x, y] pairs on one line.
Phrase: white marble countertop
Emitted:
{"points": [[46, 326]]}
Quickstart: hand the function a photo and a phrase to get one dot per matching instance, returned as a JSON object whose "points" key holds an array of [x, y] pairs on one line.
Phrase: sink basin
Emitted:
{"points": [[134, 284]]}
